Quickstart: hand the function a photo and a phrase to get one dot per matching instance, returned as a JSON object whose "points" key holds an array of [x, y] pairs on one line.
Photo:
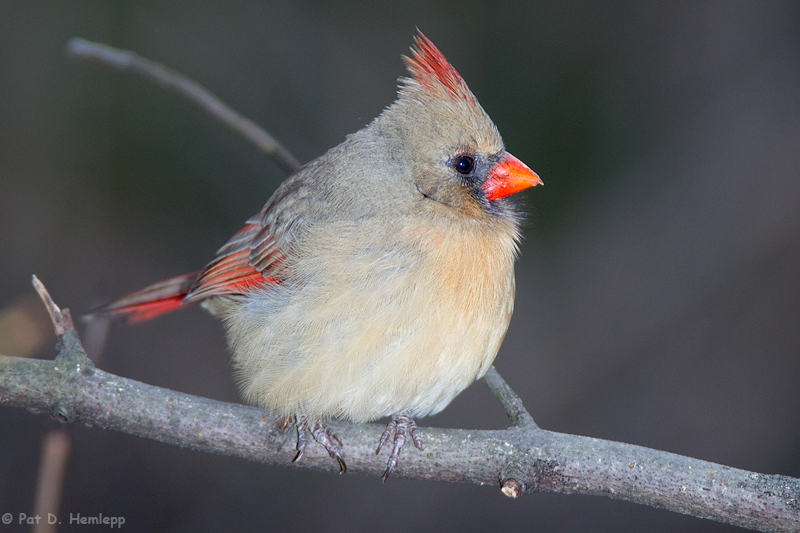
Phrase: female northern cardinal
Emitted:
{"points": [[378, 280]]}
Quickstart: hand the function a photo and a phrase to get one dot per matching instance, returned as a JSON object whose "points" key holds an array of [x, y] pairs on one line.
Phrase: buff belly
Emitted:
{"points": [[386, 333]]}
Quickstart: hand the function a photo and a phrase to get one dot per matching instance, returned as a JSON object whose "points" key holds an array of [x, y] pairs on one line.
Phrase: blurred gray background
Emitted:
{"points": [[659, 283]]}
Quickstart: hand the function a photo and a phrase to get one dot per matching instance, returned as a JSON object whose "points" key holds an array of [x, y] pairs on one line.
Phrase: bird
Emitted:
{"points": [[378, 280]]}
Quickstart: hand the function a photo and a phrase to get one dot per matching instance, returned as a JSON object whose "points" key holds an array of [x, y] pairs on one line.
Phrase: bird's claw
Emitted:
{"points": [[325, 436], [322, 434], [401, 424]]}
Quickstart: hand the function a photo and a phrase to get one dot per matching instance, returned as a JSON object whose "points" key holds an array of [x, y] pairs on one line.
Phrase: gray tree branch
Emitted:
{"points": [[125, 60], [520, 459]]}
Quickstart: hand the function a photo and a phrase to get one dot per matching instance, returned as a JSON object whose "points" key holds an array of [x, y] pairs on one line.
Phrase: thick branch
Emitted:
{"points": [[128, 61], [71, 388]]}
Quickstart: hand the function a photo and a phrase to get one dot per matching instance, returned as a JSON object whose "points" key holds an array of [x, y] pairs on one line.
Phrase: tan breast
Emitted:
{"points": [[380, 322]]}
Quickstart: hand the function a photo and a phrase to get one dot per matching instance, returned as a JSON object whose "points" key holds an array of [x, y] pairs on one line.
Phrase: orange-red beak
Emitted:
{"points": [[509, 176]]}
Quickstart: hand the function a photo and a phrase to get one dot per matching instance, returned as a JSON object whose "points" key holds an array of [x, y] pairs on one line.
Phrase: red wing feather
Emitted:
{"points": [[231, 274], [241, 265], [247, 261]]}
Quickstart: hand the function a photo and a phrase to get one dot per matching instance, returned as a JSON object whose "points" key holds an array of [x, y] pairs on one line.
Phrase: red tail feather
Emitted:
{"points": [[249, 261], [153, 300]]}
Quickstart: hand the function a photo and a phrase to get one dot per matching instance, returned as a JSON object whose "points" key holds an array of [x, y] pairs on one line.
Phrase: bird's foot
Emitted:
{"points": [[401, 424], [321, 433], [325, 436]]}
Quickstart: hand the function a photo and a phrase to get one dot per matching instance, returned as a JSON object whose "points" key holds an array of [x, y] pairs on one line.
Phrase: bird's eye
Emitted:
{"points": [[464, 164]]}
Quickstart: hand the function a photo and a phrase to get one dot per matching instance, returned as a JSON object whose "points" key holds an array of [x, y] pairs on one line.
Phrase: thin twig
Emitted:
{"points": [[130, 62], [508, 399], [62, 321]]}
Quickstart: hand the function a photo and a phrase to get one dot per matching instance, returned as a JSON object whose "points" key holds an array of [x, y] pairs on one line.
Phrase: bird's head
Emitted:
{"points": [[452, 148]]}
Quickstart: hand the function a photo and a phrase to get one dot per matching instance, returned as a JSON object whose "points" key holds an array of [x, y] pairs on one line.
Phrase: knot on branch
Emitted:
{"points": [[523, 477]]}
